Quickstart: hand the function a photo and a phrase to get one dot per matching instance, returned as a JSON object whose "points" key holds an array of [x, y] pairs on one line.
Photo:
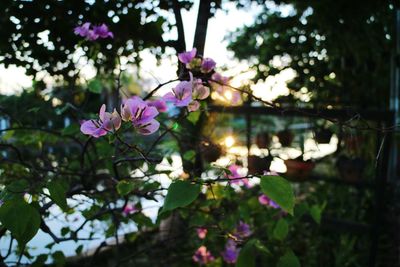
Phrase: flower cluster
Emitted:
{"points": [[93, 33], [107, 122], [206, 65], [187, 94], [230, 252], [135, 110], [203, 256]]}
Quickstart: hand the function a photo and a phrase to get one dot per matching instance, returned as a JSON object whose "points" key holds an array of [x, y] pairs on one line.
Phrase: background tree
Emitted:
{"points": [[340, 50]]}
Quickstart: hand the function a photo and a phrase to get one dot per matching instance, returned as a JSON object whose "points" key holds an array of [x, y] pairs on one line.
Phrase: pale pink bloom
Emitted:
{"points": [[201, 232], [193, 106], [200, 92], [203, 256], [107, 122]]}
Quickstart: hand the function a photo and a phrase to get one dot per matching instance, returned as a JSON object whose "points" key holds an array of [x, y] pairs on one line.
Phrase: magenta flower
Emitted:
{"points": [[235, 176], [201, 232], [266, 201], [141, 115], [129, 209], [242, 230], [188, 56], [159, 104], [181, 95], [93, 33], [108, 122], [203, 256], [231, 252], [207, 65], [82, 30], [102, 31]]}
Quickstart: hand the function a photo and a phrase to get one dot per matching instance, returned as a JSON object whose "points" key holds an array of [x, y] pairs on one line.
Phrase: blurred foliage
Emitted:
{"points": [[38, 35], [340, 50]]}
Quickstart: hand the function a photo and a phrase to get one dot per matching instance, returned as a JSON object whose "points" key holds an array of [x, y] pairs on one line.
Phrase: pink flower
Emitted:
{"points": [[207, 65], [201, 232], [82, 30], [141, 115], [159, 104], [186, 94], [102, 31], [108, 122], [94, 33], [266, 201], [203, 256], [199, 92], [188, 56], [234, 169], [181, 95], [231, 252], [129, 209]]}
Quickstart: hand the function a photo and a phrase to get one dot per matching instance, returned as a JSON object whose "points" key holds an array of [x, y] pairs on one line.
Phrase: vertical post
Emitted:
{"points": [[381, 178], [394, 104], [201, 26]]}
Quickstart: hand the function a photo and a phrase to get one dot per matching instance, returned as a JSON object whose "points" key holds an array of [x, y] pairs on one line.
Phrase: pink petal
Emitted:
{"points": [[90, 128], [149, 128], [186, 57], [102, 112], [193, 106]]}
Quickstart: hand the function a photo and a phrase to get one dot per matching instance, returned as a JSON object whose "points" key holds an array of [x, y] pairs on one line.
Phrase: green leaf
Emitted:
{"points": [[279, 190], [316, 212], [58, 193], [124, 187], [95, 86], [288, 260], [79, 249], [21, 219], [59, 258], [247, 255], [189, 155], [180, 194], [281, 229], [18, 186], [193, 117]]}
